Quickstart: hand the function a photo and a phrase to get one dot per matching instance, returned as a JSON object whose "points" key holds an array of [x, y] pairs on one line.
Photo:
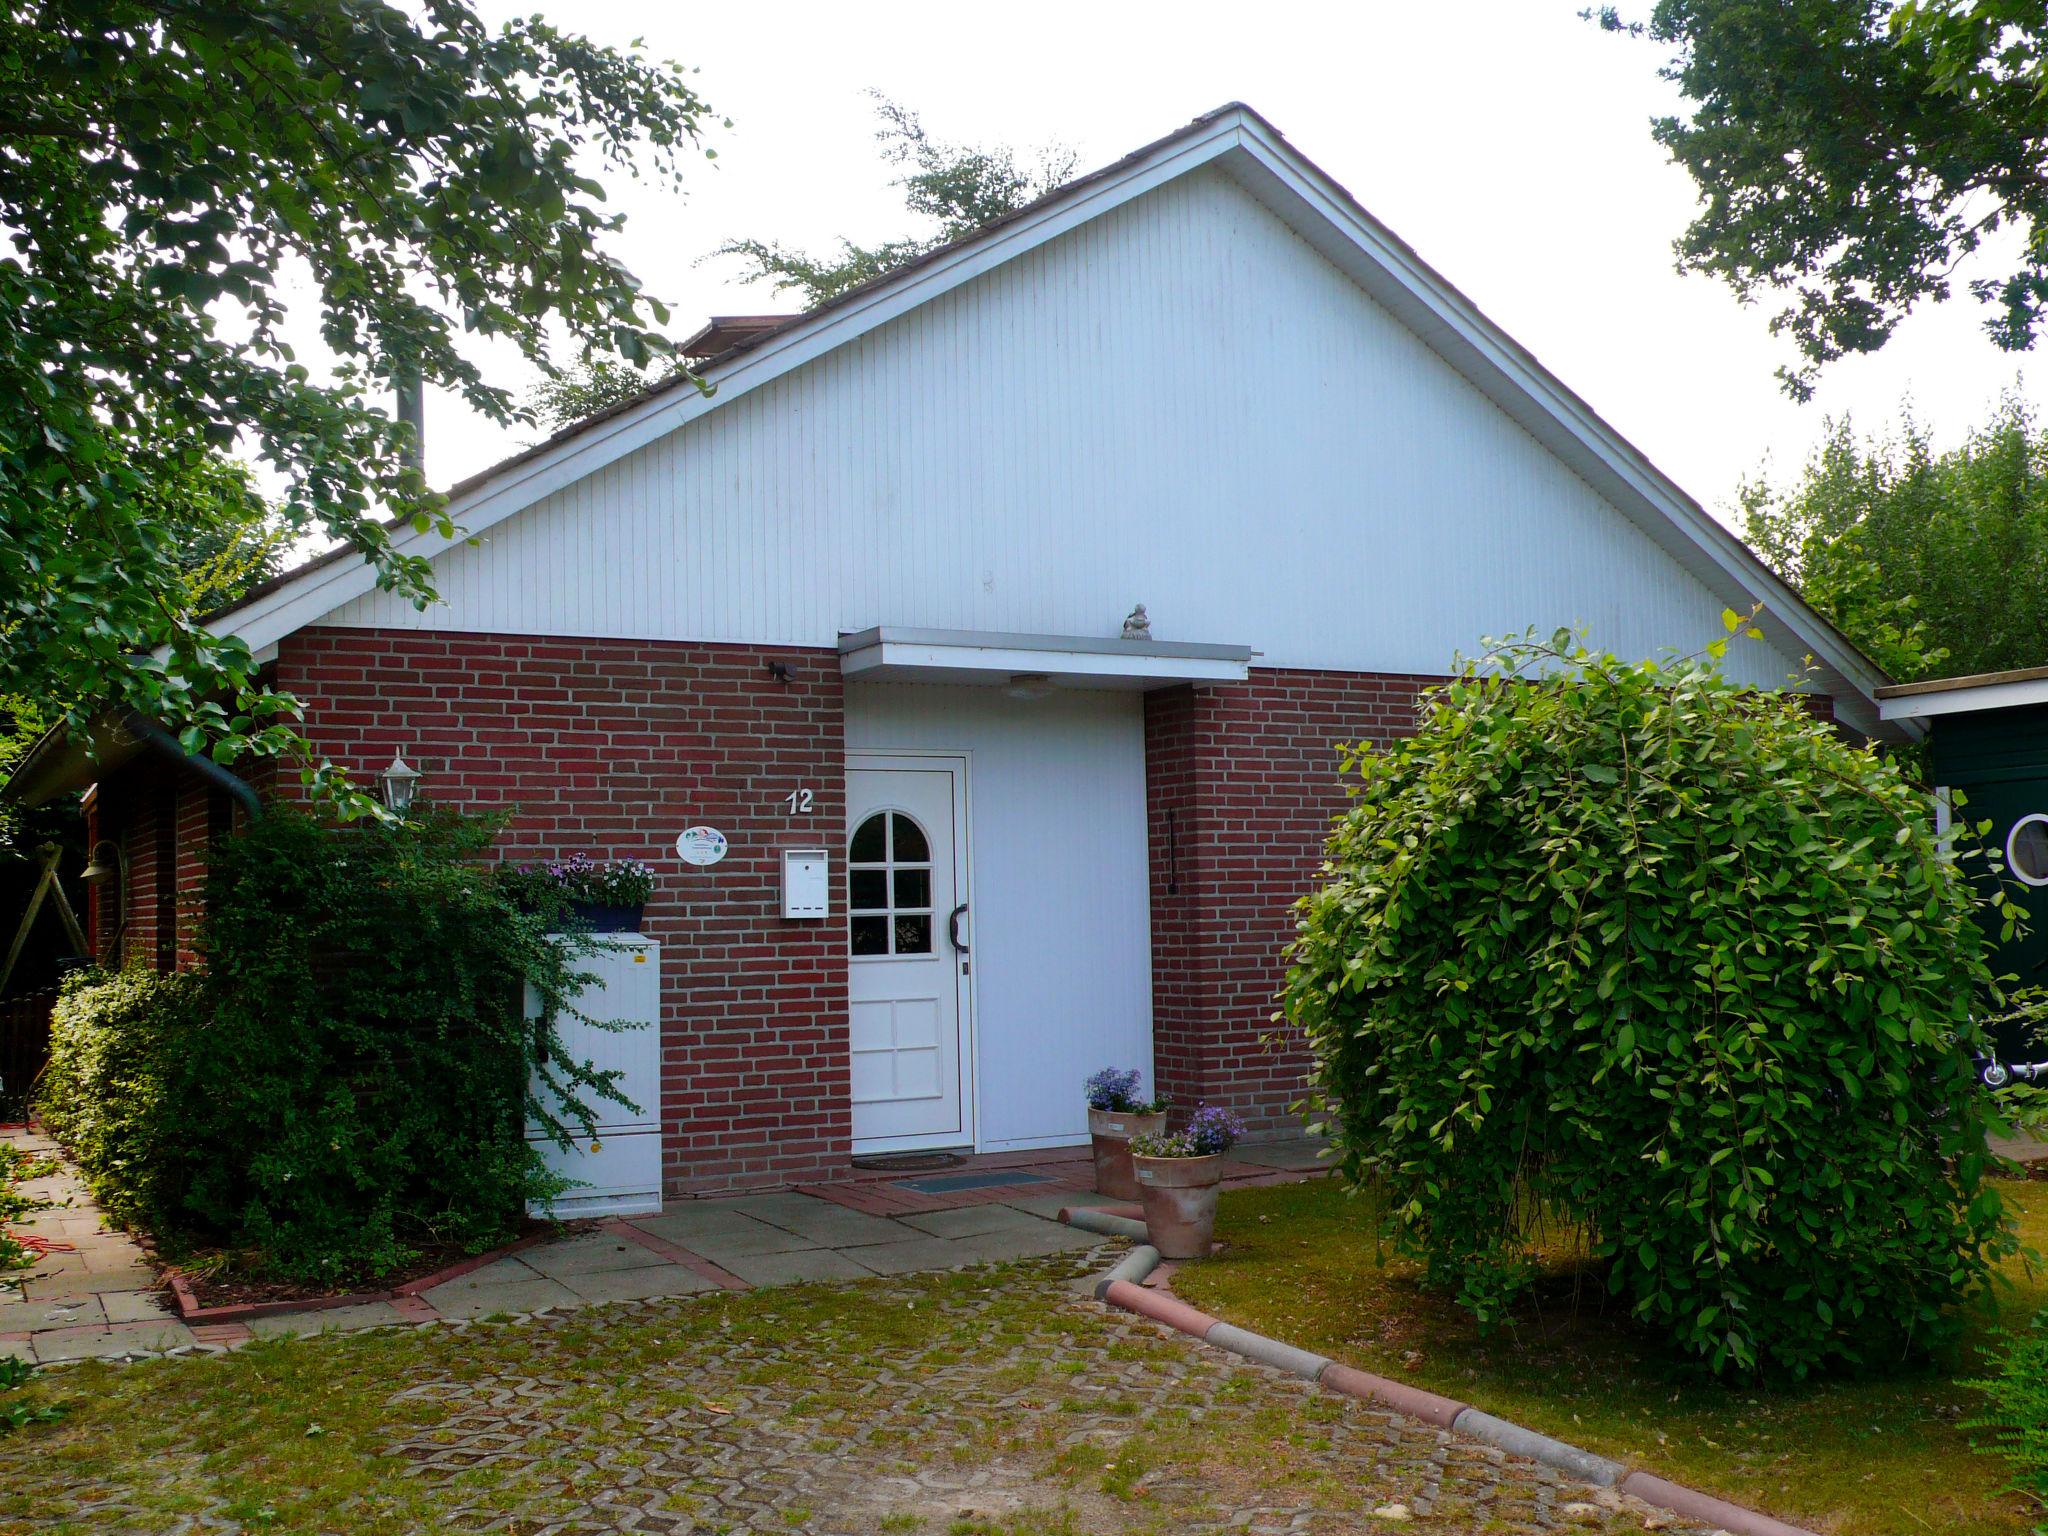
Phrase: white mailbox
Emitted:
{"points": [[806, 883]]}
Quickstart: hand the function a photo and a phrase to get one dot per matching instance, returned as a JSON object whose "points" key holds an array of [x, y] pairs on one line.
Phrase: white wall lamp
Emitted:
{"points": [[400, 780]]}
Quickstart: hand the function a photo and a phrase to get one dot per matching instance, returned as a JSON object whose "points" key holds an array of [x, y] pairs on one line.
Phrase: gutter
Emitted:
{"points": [[167, 746]]}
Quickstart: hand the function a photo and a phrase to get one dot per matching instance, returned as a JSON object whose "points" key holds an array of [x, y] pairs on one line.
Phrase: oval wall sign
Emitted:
{"points": [[701, 845]]}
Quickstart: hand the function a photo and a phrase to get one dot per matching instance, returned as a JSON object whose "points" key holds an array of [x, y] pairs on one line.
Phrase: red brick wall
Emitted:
{"points": [[612, 747], [1242, 782]]}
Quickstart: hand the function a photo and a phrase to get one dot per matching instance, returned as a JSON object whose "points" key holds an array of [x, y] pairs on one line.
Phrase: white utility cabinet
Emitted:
{"points": [[618, 1171]]}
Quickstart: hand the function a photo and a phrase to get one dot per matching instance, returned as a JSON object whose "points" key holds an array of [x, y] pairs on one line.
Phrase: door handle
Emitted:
{"points": [[953, 928]]}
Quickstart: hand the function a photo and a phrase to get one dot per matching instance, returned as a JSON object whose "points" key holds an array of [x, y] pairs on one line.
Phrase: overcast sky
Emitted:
{"points": [[1506, 140]]}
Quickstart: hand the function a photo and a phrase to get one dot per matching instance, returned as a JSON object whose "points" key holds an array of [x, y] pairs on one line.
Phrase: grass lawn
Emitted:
{"points": [[1851, 1457]]}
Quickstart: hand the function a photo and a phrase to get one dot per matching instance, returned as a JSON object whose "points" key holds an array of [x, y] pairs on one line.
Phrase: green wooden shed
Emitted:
{"points": [[1987, 740]]}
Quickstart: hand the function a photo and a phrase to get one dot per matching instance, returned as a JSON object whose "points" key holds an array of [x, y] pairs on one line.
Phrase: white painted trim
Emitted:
{"points": [[960, 765], [1965, 701], [2031, 819], [1031, 1144], [886, 658]]}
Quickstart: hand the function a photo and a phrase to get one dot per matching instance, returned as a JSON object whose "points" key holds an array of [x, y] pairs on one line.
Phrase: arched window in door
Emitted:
{"points": [[889, 887]]}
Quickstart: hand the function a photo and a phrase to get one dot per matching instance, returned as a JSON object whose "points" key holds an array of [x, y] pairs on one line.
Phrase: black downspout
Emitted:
{"points": [[164, 744]]}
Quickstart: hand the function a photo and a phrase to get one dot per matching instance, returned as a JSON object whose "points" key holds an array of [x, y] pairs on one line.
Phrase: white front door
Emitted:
{"points": [[906, 839]]}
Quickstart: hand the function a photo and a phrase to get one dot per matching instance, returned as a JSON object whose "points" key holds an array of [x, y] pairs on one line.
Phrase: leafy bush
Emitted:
{"points": [[2018, 1411], [1674, 963], [348, 1081], [112, 1092]]}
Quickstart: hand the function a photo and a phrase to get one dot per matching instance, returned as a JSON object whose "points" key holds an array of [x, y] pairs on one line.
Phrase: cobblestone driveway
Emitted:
{"points": [[989, 1401]]}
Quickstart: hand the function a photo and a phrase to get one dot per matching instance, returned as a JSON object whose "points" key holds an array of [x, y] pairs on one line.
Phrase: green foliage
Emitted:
{"points": [[15, 1414], [1852, 152], [591, 385], [173, 172], [956, 188], [120, 1051], [1631, 948], [348, 1080], [2017, 1408], [1897, 545]]}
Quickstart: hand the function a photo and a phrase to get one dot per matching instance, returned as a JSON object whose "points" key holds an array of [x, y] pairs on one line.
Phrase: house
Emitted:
{"points": [[1987, 754], [869, 596]]}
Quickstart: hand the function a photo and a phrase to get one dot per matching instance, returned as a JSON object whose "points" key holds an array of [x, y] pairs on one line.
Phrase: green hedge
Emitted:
{"points": [[112, 1088], [347, 1081], [1629, 948]]}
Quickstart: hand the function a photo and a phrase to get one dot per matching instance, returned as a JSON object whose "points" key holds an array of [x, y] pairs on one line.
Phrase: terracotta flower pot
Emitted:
{"points": [[1179, 1195], [1111, 1131]]}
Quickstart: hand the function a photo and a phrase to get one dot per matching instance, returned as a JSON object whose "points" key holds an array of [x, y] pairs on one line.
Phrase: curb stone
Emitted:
{"points": [[1088, 1219], [1517, 1441], [1132, 1267], [1704, 1507], [1123, 1287], [1256, 1346]]}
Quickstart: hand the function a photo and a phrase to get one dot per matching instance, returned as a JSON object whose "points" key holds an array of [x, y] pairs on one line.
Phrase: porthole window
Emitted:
{"points": [[2026, 849], [888, 887]]}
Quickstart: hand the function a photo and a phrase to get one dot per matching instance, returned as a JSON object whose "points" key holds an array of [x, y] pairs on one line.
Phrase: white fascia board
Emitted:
{"points": [[299, 603], [1447, 322], [1965, 701]]}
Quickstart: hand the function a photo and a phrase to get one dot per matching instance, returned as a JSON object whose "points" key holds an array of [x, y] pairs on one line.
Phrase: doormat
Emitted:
{"points": [[909, 1162], [954, 1183]]}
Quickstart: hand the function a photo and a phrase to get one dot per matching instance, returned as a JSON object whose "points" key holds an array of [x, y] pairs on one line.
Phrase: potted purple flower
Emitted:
{"points": [[1116, 1113], [1178, 1172], [602, 895]]}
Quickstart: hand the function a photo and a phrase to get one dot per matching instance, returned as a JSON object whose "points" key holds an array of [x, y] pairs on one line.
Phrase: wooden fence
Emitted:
{"points": [[24, 1047]]}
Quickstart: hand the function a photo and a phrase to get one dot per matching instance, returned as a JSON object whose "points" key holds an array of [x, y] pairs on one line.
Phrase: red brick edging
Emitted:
{"points": [[675, 1253], [190, 1311]]}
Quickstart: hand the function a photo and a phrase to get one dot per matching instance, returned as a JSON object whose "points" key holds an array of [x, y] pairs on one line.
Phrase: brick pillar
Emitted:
{"points": [[1242, 782]]}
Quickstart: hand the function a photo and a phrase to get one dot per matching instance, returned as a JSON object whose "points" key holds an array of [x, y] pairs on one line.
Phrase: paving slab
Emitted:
{"points": [[506, 1271], [638, 1284], [468, 1297], [1295, 1155], [1011, 1243], [902, 1258], [1050, 1205], [83, 1283], [107, 1343], [794, 1268], [135, 1306], [23, 1316], [973, 1220], [592, 1253], [834, 1226], [17, 1349], [777, 1206], [298, 1325], [696, 1219], [723, 1247]]}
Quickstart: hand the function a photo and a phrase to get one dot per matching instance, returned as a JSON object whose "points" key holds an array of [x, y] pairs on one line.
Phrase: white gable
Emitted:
{"points": [[1179, 402]]}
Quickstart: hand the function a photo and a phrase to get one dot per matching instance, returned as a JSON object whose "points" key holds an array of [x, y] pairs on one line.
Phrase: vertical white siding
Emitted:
{"points": [[1179, 403], [1061, 928]]}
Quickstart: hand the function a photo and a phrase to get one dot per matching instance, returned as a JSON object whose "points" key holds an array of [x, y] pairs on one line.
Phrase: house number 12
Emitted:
{"points": [[798, 801]]}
